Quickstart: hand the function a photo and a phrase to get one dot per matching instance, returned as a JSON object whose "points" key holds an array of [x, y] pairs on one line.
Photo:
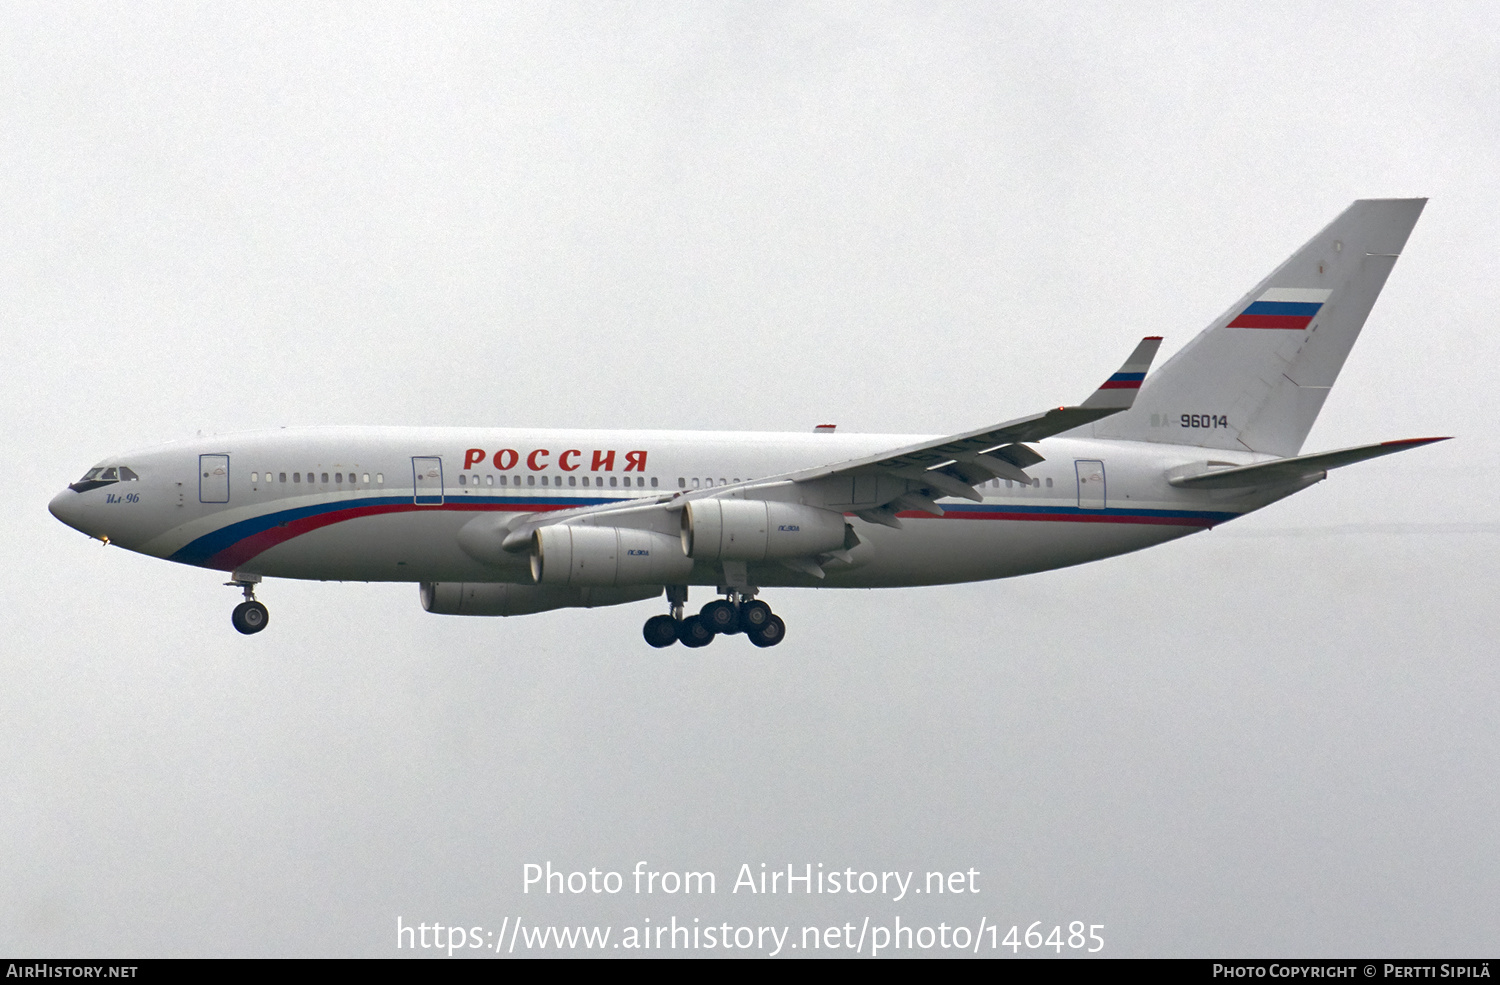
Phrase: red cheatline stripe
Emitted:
{"points": [[1271, 321], [240, 552], [237, 554], [1121, 385], [1165, 521]]}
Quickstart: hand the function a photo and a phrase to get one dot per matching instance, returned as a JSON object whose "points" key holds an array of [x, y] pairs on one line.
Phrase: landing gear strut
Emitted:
{"points": [[739, 612], [249, 616]]}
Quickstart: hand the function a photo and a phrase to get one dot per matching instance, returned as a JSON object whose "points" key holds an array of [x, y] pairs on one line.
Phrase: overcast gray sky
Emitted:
{"points": [[1277, 738]]}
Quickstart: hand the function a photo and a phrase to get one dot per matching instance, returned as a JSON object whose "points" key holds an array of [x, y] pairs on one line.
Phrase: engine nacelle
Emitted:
{"points": [[451, 598], [754, 530], [573, 554]]}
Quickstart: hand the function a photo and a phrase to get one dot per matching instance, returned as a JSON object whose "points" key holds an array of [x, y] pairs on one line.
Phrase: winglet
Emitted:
{"points": [[1118, 392]]}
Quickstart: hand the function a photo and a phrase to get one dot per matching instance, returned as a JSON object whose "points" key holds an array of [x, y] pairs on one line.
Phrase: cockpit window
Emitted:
{"points": [[128, 474], [101, 476]]}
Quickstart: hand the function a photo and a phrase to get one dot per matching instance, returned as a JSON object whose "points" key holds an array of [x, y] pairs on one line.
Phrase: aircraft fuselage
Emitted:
{"points": [[363, 504]]}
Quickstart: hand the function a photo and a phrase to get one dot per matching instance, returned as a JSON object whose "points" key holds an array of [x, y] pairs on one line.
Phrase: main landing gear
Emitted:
{"points": [[739, 613], [249, 616]]}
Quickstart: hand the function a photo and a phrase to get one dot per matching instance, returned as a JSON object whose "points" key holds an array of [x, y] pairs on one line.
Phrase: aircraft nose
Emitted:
{"points": [[66, 506]]}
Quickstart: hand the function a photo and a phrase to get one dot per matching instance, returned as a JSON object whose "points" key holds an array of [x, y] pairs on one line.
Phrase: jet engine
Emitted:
{"points": [[754, 530], [578, 555], [451, 598]]}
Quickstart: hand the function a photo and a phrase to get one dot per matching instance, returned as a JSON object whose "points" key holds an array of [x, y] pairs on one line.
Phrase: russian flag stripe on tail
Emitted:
{"points": [[1282, 307]]}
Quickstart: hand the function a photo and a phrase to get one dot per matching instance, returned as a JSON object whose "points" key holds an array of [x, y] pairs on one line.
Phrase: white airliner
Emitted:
{"points": [[505, 521]]}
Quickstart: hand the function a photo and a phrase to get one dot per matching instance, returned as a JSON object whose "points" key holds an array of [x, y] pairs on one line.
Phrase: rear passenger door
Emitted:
{"points": [[1091, 490], [213, 478]]}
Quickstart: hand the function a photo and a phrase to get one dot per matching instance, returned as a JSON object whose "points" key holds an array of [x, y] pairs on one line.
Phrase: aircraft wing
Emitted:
{"points": [[915, 476], [1284, 470], [875, 488]]}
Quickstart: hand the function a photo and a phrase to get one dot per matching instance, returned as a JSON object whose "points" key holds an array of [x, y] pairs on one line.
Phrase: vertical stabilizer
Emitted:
{"points": [[1257, 376]]}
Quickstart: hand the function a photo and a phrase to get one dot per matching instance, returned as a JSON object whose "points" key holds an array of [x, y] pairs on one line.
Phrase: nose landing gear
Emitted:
{"points": [[739, 613], [249, 616]]}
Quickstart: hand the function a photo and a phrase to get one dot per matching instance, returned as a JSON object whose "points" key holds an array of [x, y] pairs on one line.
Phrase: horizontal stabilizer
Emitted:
{"points": [[1289, 470]]}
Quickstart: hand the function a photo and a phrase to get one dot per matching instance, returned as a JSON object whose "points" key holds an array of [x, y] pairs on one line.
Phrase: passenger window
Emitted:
{"points": [[325, 478], [283, 477], [531, 480], [1049, 483], [572, 480], [503, 480], [1037, 483], [612, 480], [640, 481], [653, 482], [463, 480], [254, 476], [296, 476], [338, 477], [489, 480], [1007, 484], [681, 482], [695, 482], [367, 477], [380, 478]]}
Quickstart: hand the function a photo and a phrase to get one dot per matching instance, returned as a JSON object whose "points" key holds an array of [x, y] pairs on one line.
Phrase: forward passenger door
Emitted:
{"points": [[427, 480]]}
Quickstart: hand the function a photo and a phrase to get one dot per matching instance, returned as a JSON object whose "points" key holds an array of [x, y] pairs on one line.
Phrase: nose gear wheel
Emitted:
{"points": [[250, 617]]}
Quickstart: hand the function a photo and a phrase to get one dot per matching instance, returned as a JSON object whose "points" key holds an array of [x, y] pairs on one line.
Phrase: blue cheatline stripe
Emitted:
{"points": [[1302, 309], [1216, 517], [227, 536], [1123, 377]]}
